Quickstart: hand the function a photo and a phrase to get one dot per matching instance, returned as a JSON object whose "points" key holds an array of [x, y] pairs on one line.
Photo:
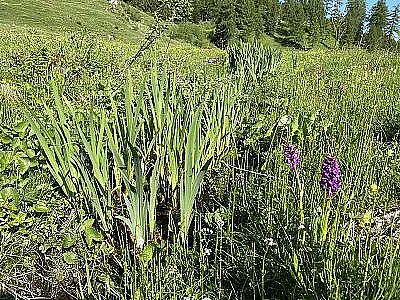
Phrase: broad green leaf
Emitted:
{"points": [[87, 223], [366, 218], [70, 258], [13, 205], [31, 153], [17, 219], [23, 164], [284, 120], [68, 241], [16, 144], [9, 193], [21, 127], [34, 162], [40, 207], [147, 253], [22, 183], [106, 248], [94, 234], [91, 233], [6, 158], [5, 139]]}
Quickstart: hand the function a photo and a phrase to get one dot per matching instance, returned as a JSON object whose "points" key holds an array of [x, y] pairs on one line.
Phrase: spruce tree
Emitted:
{"points": [[270, 10], [294, 23], [316, 17], [237, 20], [393, 28], [225, 24], [377, 23], [203, 10], [249, 19], [354, 22]]}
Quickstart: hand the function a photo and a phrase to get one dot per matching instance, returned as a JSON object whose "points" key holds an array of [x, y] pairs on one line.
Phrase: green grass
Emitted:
{"points": [[271, 42], [187, 158], [94, 17]]}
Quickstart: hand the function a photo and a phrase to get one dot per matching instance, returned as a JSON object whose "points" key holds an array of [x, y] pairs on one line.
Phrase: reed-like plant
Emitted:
{"points": [[253, 60], [159, 135], [79, 165], [57, 143], [177, 139]]}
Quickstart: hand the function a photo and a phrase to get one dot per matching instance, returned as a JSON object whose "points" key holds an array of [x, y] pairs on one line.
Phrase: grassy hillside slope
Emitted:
{"points": [[84, 35], [91, 16]]}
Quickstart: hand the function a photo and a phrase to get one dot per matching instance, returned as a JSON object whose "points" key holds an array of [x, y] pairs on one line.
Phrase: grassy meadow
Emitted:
{"points": [[175, 177]]}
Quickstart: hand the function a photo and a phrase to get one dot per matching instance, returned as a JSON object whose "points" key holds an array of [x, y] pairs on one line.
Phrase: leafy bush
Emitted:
{"points": [[196, 34]]}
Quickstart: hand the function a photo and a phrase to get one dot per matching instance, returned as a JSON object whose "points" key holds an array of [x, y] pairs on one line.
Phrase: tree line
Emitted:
{"points": [[299, 23]]}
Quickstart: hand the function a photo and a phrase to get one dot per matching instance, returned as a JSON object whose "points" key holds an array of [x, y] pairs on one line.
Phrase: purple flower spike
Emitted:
{"points": [[331, 178], [292, 156]]}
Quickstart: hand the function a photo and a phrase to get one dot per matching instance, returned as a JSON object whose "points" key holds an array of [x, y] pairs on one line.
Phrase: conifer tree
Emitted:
{"points": [[354, 22], [316, 19], [203, 10], [225, 24], [294, 22], [393, 28], [376, 36], [271, 13], [236, 20], [249, 19]]}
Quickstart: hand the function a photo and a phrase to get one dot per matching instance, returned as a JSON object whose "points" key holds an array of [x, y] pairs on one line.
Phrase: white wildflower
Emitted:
{"points": [[220, 223], [140, 243], [270, 242], [207, 230]]}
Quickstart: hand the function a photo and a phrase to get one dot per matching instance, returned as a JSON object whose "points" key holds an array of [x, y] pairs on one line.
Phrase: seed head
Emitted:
{"points": [[331, 178]]}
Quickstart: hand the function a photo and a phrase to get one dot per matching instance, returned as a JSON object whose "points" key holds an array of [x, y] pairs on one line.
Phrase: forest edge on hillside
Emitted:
{"points": [[301, 24]]}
